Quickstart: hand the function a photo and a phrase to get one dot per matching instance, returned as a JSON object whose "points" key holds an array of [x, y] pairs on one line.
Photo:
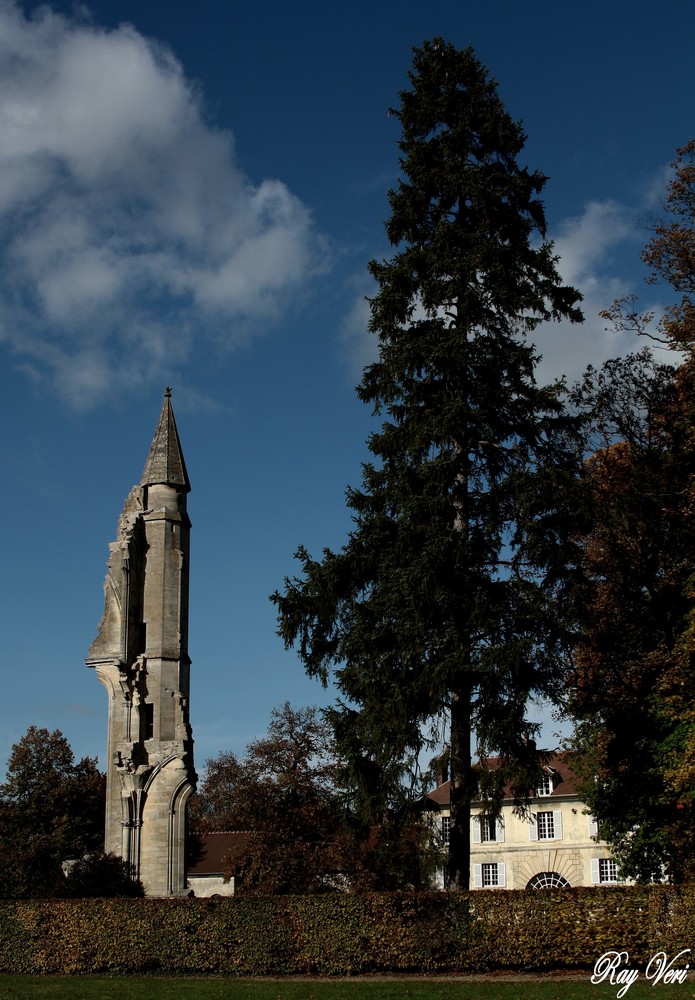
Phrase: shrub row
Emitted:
{"points": [[345, 935]]}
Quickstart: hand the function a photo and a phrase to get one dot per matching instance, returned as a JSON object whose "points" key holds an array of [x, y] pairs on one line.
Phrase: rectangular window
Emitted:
{"points": [[490, 874], [546, 826], [446, 828], [604, 871], [607, 870], [488, 829]]}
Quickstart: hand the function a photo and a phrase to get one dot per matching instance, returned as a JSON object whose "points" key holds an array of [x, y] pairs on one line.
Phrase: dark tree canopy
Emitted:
{"points": [[100, 875], [443, 606], [51, 810], [632, 682]]}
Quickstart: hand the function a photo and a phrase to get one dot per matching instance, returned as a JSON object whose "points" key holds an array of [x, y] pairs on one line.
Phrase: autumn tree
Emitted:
{"points": [[670, 253], [632, 605], [51, 811], [632, 681], [284, 792], [443, 605]]}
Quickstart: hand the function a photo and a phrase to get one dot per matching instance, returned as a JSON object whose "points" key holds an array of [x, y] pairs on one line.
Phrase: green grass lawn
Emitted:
{"points": [[156, 988]]}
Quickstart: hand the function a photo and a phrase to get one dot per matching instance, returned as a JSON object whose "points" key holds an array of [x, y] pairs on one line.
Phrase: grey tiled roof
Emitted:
{"points": [[165, 462]]}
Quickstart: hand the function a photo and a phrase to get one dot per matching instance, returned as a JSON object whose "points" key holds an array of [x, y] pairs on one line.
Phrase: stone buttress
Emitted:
{"points": [[141, 657]]}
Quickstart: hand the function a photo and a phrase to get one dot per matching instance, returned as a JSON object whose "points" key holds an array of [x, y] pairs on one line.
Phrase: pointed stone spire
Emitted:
{"points": [[165, 462]]}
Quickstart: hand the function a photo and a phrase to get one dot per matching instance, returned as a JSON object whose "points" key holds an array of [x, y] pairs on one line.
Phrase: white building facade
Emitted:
{"points": [[554, 845]]}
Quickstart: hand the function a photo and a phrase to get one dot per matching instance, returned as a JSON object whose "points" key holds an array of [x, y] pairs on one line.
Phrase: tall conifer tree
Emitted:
{"points": [[439, 604]]}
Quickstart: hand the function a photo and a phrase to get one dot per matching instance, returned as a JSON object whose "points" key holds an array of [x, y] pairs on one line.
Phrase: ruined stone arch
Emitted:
{"points": [[141, 656]]}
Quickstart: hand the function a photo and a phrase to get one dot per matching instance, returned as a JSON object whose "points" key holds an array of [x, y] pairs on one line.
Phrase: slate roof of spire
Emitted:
{"points": [[165, 462]]}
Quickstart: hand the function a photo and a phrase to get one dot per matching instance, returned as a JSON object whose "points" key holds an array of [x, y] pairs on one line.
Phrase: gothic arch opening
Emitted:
{"points": [[548, 880]]}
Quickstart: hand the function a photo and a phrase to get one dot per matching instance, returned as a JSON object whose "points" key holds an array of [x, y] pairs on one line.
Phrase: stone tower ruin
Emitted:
{"points": [[141, 657]]}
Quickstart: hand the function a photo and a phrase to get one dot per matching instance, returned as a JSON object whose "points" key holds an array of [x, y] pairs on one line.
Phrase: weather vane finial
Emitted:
{"points": [[167, 392]]}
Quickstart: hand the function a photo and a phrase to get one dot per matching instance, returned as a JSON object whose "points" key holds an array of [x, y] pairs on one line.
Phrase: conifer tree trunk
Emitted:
{"points": [[463, 789]]}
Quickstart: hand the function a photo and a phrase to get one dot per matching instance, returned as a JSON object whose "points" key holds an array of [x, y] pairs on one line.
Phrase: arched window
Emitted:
{"points": [[548, 880]]}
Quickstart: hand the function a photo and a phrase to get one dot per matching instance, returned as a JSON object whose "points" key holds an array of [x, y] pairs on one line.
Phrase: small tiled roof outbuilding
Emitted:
{"points": [[215, 851]]}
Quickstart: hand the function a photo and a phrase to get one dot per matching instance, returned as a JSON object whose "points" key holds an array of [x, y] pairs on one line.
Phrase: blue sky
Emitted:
{"points": [[189, 195]]}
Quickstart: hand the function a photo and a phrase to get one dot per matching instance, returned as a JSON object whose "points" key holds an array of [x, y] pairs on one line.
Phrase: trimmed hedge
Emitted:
{"points": [[345, 935]]}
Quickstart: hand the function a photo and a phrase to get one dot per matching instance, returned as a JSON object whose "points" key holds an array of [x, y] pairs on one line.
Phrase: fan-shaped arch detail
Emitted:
{"points": [[548, 880]]}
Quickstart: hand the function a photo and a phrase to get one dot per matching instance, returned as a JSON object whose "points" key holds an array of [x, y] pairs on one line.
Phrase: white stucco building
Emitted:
{"points": [[555, 845]]}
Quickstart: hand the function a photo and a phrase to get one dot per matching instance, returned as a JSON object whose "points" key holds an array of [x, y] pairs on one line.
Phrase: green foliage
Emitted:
{"points": [[344, 935], [51, 810], [444, 608]]}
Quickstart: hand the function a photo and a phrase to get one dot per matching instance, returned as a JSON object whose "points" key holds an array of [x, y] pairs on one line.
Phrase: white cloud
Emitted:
{"points": [[359, 347], [583, 242], [589, 247], [126, 221]]}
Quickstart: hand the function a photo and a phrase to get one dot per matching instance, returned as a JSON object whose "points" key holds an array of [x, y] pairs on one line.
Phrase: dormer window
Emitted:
{"points": [[546, 786]]}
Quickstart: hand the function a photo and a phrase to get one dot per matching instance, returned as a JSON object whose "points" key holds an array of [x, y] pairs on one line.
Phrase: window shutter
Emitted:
{"points": [[477, 876], [499, 831], [593, 826], [532, 828], [557, 824], [595, 873], [475, 829], [501, 874]]}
